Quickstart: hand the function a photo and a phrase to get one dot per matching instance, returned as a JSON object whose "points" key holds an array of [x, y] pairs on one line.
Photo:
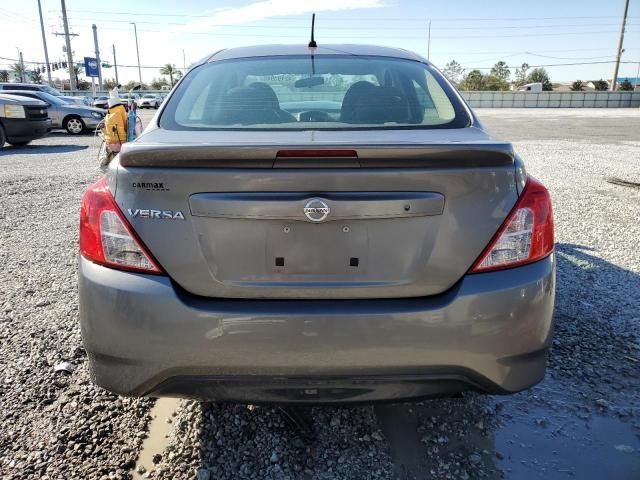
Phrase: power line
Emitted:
{"points": [[567, 58], [466, 68], [31, 62], [555, 65], [349, 28], [394, 37], [501, 52], [360, 18]]}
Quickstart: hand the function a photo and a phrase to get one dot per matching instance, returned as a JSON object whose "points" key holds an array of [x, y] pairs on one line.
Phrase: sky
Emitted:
{"points": [[477, 34]]}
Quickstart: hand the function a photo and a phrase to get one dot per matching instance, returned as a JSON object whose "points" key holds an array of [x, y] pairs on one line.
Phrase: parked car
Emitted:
{"points": [[392, 249], [43, 88], [22, 120], [150, 100], [74, 118], [101, 102]]}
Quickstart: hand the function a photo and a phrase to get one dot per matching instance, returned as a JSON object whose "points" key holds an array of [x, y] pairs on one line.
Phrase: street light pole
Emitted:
{"points": [[44, 44], [115, 63], [135, 31], [95, 43]]}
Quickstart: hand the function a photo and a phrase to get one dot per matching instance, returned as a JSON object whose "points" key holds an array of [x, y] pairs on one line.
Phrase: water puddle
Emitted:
{"points": [[558, 448], [553, 433], [550, 432], [157, 439]]}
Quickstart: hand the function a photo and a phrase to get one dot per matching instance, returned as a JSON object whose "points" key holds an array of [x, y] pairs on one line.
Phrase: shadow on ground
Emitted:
{"points": [[41, 149]]}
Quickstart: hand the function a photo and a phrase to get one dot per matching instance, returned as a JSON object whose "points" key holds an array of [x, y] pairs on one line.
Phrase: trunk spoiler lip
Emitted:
{"points": [[483, 153]]}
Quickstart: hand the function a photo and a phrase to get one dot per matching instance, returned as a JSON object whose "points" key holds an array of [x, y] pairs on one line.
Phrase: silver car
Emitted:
{"points": [[150, 100], [258, 243], [74, 118], [37, 87]]}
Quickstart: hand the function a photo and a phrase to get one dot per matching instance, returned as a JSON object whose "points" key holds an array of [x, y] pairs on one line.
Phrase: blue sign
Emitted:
{"points": [[91, 68]]}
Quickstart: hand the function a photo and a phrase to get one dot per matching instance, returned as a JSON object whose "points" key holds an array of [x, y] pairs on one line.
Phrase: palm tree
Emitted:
{"points": [[4, 75], [577, 86], [19, 70], [77, 70], [36, 76], [170, 70]]}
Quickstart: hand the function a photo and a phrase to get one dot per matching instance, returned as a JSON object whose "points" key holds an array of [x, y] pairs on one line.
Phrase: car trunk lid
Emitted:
{"points": [[379, 219]]}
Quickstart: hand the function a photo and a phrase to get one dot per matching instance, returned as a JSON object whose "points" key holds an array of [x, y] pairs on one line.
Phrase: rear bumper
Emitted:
{"points": [[146, 337], [25, 130]]}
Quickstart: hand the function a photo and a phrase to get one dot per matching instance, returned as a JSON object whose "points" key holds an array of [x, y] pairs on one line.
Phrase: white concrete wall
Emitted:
{"points": [[553, 99]]}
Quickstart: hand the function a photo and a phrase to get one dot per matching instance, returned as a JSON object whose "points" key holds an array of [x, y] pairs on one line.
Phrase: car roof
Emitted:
{"points": [[303, 49], [19, 84], [19, 99], [8, 91]]}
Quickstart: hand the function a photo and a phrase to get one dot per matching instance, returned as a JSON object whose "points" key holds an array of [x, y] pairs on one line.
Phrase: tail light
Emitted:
{"points": [[525, 236], [107, 238]]}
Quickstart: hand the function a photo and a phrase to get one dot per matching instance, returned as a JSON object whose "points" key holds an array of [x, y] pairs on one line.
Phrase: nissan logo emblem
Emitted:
{"points": [[316, 210]]}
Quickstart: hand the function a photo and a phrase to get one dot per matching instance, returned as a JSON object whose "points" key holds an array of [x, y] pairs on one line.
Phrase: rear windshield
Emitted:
{"points": [[322, 93]]}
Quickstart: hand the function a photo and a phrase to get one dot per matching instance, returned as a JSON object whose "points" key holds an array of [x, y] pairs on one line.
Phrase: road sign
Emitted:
{"points": [[91, 68]]}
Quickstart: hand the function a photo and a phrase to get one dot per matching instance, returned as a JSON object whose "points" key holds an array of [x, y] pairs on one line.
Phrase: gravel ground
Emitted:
{"points": [[582, 421], [54, 425]]}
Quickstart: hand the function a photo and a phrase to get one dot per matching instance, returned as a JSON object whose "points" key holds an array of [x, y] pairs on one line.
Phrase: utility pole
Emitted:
{"points": [[184, 62], [614, 80], [72, 72], [135, 31], [429, 42], [115, 63], [44, 44], [95, 43]]}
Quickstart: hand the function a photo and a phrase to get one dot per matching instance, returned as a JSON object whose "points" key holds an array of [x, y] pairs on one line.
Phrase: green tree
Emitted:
{"points": [[625, 85], [158, 83], [19, 71], [83, 85], [473, 81], [577, 86], [109, 84], [521, 75], [501, 71], [36, 76], [453, 71], [170, 70], [4, 75], [129, 86], [77, 70], [492, 82], [601, 85], [540, 75]]}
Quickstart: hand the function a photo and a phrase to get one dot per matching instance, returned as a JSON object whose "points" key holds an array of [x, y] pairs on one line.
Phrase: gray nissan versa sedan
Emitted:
{"points": [[316, 225]]}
